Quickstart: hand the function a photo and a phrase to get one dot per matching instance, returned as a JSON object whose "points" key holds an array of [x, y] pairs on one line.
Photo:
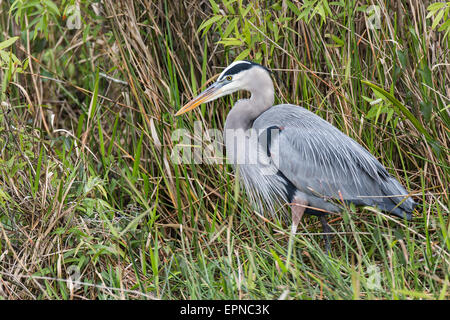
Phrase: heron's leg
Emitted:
{"points": [[326, 229], [298, 209]]}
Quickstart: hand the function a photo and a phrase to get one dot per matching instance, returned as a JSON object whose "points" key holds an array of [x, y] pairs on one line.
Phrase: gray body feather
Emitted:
{"points": [[306, 159], [325, 164]]}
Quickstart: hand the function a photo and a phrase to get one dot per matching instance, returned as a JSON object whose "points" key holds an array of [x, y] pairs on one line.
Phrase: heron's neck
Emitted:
{"points": [[245, 111]]}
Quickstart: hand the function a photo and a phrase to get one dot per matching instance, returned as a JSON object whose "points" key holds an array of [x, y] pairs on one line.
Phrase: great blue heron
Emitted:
{"points": [[305, 161]]}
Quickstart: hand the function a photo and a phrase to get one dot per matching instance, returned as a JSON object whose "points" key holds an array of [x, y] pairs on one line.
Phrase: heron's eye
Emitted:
{"points": [[229, 78]]}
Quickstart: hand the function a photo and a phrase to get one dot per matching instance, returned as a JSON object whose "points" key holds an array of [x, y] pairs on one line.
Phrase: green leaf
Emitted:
{"points": [[326, 7], [435, 6], [279, 261], [229, 6], [304, 14], [244, 54], [374, 111], [8, 42], [4, 57], [137, 157], [402, 57], [293, 8], [337, 40], [214, 6], [426, 75], [390, 113], [246, 10], [230, 42], [445, 26], [93, 104], [437, 19], [230, 27], [321, 11], [426, 108], [400, 108], [247, 34], [209, 22], [348, 69], [102, 142], [51, 7]]}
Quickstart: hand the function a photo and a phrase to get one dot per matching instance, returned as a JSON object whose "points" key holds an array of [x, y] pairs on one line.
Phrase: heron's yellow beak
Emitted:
{"points": [[209, 94]]}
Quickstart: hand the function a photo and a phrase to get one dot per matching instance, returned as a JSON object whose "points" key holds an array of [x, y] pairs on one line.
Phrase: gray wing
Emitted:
{"points": [[322, 162]]}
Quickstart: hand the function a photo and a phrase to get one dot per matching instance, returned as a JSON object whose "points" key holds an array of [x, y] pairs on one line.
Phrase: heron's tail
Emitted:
{"points": [[397, 200]]}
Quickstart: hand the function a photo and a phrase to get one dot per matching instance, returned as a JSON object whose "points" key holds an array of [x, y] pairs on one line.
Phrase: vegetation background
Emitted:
{"points": [[92, 207]]}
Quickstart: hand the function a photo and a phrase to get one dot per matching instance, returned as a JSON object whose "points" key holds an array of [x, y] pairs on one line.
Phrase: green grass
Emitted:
{"points": [[88, 191]]}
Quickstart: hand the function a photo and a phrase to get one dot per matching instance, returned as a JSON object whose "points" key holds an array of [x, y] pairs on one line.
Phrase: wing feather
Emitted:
{"points": [[321, 161]]}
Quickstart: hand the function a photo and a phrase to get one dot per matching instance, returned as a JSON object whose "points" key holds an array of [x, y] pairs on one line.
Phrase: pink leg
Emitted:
{"points": [[298, 209]]}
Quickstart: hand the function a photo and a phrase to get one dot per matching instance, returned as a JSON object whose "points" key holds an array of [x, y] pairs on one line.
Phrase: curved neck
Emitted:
{"points": [[245, 111]]}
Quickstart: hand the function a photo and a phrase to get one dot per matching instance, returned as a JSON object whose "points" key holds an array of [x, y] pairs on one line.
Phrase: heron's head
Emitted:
{"points": [[240, 75]]}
